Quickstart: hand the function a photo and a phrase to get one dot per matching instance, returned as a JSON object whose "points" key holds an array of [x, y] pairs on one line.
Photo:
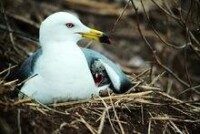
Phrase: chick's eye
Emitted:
{"points": [[69, 25]]}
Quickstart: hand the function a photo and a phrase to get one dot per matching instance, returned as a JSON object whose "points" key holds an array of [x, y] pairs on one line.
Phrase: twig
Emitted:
{"points": [[153, 51], [156, 78], [53, 110], [22, 20], [27, 79], [102, 122], [194, 38], [149, 127], [10, 83], [92, 130], [166, 12], [188, 39], [8, 72], [8, 69], [175, 119], [107, 110], [89, 44], [142, 114], [41, 110], [165, 128], [116, 116], [171, 73], [123, 96], [156, 32], [180, 20], [169, 86], [176, 128], [9, 29], [20, 34], [141, 74], [19, 121], [22, 101], [183, 112], [28, 98], [151, 72], [188, 89], [149, 88], [133, 88], [185, 56], [186, 130], [176, 100], [120, 16]]}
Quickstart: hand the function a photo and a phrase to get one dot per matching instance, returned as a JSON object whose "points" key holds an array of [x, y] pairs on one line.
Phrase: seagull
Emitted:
{"points": [[60, 70]]}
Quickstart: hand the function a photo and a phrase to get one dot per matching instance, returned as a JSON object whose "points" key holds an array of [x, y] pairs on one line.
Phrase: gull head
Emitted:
{"points": [[63, 27]]}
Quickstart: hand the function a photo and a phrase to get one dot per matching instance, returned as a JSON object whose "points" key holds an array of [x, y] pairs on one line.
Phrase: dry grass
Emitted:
{"points": [[144, 112]]}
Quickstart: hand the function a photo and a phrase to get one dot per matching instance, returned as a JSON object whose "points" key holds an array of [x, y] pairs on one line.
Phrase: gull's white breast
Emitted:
{"points": [[62, 74]]}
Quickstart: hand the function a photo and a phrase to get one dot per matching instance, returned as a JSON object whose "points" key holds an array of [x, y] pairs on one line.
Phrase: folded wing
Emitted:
{"points": [[119, 83]]}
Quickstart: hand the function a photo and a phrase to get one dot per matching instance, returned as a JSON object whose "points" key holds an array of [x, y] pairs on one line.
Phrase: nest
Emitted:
{"points": [[142, 112]]}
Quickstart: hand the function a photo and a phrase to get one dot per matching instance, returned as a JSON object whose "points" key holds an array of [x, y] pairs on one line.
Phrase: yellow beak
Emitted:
{"points": [[96, 35]]}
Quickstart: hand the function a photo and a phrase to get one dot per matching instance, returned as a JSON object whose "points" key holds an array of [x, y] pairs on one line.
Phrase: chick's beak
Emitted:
{"points": [[96, 35]]}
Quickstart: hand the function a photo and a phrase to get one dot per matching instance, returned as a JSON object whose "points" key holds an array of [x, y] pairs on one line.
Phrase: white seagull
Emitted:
{"points": [[60, 70]]}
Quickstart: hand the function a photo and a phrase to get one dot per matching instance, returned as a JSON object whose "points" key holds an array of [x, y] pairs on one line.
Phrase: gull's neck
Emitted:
{"points": [[58, 47]]}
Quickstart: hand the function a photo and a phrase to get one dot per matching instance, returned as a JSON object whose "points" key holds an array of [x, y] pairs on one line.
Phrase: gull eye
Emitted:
{"points": [[69, 25]]}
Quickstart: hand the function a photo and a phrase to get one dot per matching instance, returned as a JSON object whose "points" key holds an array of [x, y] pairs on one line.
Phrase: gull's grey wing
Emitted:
{"points": [[119, 82], [27, 68], [25, 71]]}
